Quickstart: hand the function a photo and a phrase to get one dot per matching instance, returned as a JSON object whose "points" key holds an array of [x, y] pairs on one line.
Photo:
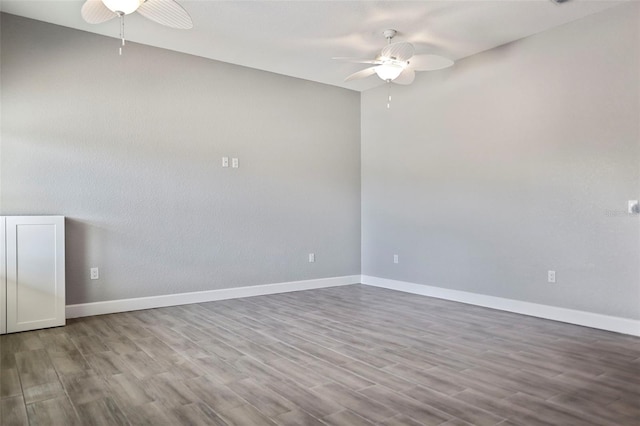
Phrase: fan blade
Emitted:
{"points": [[406, 77], [429, 62], [166, 12], [357, 60], [401, 51], [362, 74], [95, 12]]}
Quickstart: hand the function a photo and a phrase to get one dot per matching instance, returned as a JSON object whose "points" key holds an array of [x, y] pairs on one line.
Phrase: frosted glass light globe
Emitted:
{"points": [[122, 6], [388, 72]]}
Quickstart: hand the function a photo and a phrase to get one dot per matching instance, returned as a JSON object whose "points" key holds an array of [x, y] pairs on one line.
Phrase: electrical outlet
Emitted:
{"points": [[225, 161], [396, 259], [633, 208], [95, 273], [312, 257], [234, 163], [551, 276]]}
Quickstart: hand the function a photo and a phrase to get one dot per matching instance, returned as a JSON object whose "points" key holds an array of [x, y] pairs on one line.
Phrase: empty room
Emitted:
{"points": [[319, 212]]}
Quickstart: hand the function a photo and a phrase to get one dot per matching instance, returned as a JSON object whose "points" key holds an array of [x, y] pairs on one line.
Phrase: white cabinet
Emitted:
{"points": [[32, 280], [3, 275]]}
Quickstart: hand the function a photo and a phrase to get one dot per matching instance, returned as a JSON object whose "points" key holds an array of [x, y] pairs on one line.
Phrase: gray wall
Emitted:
{"points": [[516, 161], [481, 177], [129, 149]]}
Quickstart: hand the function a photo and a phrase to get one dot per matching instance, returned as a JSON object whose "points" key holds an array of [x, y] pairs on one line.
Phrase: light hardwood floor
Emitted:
{"points": [[352, 355]]}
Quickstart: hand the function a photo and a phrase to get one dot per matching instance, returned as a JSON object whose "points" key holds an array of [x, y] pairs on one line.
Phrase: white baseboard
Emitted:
{"points": [[587, 319], [124, 305]]}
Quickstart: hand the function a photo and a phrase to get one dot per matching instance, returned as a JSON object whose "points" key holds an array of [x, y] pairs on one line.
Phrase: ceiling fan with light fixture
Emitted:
{"points": [[397, 63], [165, 12]]}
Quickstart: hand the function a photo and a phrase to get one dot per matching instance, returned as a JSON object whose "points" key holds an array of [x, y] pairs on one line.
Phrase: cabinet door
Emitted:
{"points": [[35, 272], [3, 279]]}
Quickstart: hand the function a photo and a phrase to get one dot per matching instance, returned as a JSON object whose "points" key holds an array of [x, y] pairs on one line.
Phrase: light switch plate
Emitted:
{"points": [[633, 207]]}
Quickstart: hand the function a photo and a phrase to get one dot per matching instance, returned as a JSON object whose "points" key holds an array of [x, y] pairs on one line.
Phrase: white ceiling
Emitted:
{"points": [[299, 38]]}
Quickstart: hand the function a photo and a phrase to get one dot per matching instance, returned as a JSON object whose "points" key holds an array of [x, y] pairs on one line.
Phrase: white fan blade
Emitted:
{"points": [[95, 12], [166, 12], [401, 51], [362, 74], [357, 60], [406, 77], [429, 62]]}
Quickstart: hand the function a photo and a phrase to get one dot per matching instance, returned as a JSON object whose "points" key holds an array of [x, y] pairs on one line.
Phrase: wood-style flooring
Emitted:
{"points": [[353, 355]]}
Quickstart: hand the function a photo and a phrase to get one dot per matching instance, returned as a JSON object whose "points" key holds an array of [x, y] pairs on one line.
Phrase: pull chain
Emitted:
{"points": [[389, 98], [121, 31]]}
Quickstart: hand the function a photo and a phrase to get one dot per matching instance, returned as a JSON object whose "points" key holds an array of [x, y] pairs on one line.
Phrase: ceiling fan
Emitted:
{"points": [[397, 63], [165, 12]]}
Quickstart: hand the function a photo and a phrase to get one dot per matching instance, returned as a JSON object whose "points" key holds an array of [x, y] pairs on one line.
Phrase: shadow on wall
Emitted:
{"points": [[79, 252], [76, 259]]}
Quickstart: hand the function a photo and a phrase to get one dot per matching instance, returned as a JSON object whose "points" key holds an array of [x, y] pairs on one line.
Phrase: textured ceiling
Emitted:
{"points": [[299, 38]]}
